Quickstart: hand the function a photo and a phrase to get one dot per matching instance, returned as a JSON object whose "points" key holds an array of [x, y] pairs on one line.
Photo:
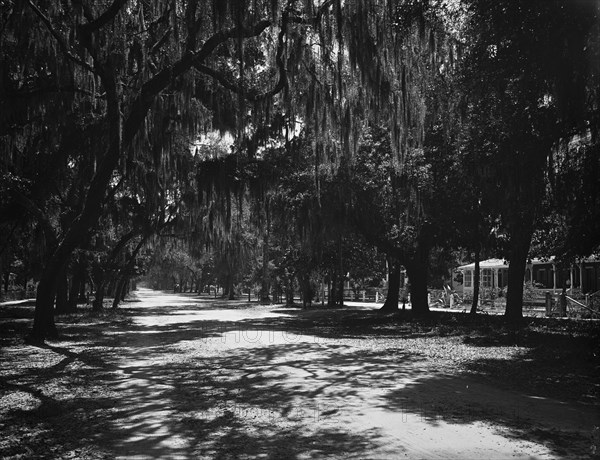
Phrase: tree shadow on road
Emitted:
{"points": [[280, 385]]}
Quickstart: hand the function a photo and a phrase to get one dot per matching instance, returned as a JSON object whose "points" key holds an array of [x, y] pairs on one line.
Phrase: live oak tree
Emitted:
{"points": [[115, 60], [384, 209], [534, 78]]}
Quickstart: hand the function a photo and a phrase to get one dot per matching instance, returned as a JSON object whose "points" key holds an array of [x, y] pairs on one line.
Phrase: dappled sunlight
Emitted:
{"points": [[182, 381]]}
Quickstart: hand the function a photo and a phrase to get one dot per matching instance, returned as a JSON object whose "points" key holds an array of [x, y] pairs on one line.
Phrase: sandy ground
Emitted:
{"points": [[204, 378]]}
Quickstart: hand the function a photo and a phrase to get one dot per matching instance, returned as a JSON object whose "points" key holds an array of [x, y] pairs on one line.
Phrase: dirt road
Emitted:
{"points": [[204, 378]]}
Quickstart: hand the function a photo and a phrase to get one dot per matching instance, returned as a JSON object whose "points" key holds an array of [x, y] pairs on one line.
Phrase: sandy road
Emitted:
{"points": [[197, 378]]}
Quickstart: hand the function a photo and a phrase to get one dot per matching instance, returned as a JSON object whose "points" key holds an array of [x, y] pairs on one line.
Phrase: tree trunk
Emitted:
{"points": [[83, 297], [120, 291], [518, 252], [340, 302], [264, 288], [92, 209], [289, 291], [417, 274], [98, 304], [476, 283], [77, 281], [340, 291], [333, 287], [43, 318], [391, 301], [305, 290], [118, 288], [62, 293], [73, 293], [125, 274], [231, 288], [111, 286]]}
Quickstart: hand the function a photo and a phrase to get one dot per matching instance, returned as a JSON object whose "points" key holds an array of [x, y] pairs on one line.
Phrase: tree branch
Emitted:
{"points": [[59, 38], [255, 95], [234, 32], [24, 94], [192, 25], [32, 208], [87, 12], [161, 41], [314, 20], [105, 17]]}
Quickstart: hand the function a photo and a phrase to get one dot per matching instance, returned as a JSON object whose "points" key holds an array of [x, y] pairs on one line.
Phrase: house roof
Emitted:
{"points": [[503, 263], [489, 263]]}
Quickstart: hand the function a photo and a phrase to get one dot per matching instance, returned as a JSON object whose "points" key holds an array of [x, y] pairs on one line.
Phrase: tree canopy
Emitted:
{"points": [[266, 133]]}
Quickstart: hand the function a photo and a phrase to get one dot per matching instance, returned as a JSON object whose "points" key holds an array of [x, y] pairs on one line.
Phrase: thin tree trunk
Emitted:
{"points": [[391, 301], [120, 285], [289, 291], [231, 289], [98, 304], [333, 287], [73, 292], [120, 291], [476, 278], [126, 272], [82, 296], [264, 289], [62, 293], [77, 281], [125, 289], [340, 302]]}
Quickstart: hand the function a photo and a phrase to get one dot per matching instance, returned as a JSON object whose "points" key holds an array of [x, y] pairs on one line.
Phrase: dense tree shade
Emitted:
{"points": [[270, 142]]}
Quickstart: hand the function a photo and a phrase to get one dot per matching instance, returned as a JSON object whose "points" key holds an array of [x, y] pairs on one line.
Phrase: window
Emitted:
{"points": [[486, 276], [541, 276], [468, 278], [502, 278]]}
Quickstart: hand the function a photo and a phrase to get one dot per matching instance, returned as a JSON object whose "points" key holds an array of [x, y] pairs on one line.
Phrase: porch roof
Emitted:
{"points": [[489, 263], [503, 263]]}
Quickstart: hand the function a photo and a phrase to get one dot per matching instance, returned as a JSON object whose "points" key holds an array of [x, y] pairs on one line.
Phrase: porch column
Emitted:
{"points": [[581, 276], [530, 271], [571, 278], [554, 278]]}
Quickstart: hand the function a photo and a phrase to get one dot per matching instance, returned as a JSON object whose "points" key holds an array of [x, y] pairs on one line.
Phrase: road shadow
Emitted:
{"points": [[277, 383]]}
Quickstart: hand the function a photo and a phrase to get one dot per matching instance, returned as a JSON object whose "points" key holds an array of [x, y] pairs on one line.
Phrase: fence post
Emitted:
{"points": [[548, 304], [563, 304]]}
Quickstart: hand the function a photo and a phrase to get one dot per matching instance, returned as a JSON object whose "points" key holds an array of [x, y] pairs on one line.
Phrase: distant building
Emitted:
{"points": [[546, 273], [493, 274]]}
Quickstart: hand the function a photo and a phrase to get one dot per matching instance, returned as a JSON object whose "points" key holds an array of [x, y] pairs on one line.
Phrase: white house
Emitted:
{"points": [[547, 273], [493, 274]]}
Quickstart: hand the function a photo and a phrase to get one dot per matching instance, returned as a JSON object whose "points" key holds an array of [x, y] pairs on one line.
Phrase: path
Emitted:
{"points": [[213, 381], [204, 378]]}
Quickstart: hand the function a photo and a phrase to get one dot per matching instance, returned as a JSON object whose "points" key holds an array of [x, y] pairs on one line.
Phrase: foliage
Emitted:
{"points": [[531, 81]]}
